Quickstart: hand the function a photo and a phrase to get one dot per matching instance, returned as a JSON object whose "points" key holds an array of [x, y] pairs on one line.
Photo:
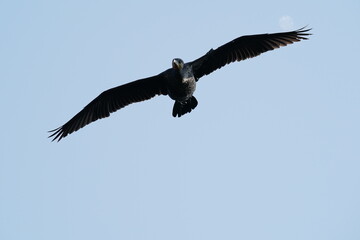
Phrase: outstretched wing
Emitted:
{"points": [[112, 100], [244, 47]]}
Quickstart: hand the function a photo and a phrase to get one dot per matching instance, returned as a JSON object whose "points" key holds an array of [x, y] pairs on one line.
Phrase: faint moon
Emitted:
{"points": [[286, 23]]}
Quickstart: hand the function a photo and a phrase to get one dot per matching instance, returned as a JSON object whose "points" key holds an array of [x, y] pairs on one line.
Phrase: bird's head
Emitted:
{"points": [[177, 63]]}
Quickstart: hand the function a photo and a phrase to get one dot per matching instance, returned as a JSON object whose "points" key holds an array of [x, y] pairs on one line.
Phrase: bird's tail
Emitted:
{"points": [[181, 108]]}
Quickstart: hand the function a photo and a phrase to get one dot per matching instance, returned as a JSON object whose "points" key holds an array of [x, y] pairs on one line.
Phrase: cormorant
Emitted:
{"points": [[179, 82]]}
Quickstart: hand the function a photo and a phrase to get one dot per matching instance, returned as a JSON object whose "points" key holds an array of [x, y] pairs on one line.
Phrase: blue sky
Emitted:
{"points": [[271, 151]]}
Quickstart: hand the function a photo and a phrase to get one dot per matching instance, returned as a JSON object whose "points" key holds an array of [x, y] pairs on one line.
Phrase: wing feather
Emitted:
{"points": [[112, 100], [245, 47]]}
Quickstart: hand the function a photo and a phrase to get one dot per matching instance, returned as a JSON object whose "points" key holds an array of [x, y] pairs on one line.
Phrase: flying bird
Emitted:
{"points": [[179, 81]]}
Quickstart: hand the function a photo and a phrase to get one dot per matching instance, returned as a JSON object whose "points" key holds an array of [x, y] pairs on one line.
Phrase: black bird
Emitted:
{"points": [[179, 82]]}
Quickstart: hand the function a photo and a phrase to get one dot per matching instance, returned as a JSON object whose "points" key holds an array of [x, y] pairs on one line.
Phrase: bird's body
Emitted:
{"points": [[179, 82]]}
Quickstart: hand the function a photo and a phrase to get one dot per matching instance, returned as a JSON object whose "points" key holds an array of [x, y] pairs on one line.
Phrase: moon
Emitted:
{"points": [[286, 23]]}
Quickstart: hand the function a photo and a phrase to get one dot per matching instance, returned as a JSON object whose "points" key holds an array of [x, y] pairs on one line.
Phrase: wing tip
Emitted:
{"points": [[303, 33], [57, 134]]}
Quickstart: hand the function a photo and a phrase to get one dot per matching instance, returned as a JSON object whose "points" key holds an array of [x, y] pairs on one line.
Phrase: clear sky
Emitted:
{"points": [[271, 152]]}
